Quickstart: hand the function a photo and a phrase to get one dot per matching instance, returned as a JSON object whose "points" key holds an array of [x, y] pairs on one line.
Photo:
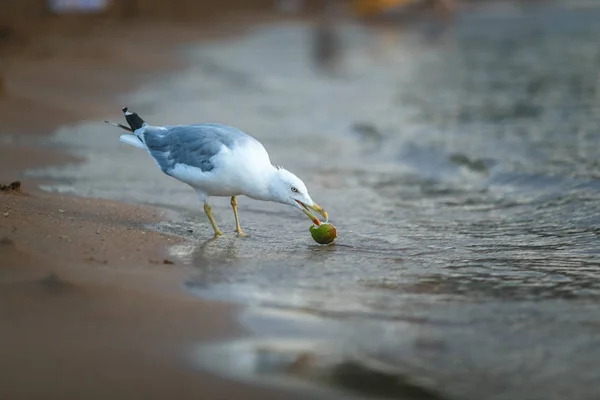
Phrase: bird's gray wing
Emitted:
{"points": [[193, 145]]}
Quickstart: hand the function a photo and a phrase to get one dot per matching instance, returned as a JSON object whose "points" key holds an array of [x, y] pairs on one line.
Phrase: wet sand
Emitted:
{"points": [[90, 305], [91, 308]]}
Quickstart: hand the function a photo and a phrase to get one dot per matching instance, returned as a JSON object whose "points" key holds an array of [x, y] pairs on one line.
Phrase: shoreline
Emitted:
{"points": [[87, 282]]}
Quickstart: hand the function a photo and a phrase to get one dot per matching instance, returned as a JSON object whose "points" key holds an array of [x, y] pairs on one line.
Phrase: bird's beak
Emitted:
{"points": [[315, 207]]}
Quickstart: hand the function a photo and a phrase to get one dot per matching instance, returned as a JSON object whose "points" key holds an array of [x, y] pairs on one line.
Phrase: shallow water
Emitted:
{"points": [[461, 170]]}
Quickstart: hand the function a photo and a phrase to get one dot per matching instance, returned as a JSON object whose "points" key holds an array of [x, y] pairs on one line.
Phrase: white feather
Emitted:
{"points": [[132, 140]]}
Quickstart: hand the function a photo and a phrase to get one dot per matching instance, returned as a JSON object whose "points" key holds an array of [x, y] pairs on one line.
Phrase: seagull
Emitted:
{"points": [[218, 160]]}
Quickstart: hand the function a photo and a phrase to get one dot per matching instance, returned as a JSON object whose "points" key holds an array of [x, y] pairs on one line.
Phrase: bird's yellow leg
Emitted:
{"points": [[238, 228], [208, 212]]}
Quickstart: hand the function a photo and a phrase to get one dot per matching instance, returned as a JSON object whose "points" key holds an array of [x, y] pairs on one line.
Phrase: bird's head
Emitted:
{"points": [[288, 189]]}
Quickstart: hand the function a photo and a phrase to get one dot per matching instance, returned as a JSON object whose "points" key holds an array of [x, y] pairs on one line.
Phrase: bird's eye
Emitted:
{"points": [[294, 190]]}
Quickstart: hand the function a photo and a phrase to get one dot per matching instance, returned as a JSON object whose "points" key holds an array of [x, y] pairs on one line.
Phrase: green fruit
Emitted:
{"points": [[324, 233]]}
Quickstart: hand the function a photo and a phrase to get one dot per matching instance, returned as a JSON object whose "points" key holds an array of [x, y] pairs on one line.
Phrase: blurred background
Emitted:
{"points": [[454, 144]]}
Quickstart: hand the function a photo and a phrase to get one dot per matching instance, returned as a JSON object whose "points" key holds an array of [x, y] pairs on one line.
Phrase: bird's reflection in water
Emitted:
{"points": [[254, 250], [215, 251], [253, 262]]}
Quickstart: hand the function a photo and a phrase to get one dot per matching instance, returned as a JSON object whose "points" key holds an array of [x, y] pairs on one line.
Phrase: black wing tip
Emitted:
{"points": [[133, 119]]}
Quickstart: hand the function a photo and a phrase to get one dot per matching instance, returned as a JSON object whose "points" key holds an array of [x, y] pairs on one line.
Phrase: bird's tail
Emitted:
{"points": [[134, 121]]}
